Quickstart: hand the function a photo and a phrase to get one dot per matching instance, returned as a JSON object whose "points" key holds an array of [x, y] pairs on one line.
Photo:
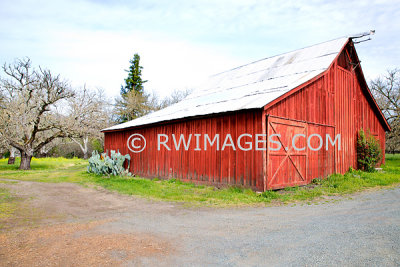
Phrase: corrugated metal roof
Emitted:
{"points": [[249, 86]]}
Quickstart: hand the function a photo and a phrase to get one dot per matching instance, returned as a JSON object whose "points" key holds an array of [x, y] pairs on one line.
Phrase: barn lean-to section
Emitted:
{"points": [[315, 90]]}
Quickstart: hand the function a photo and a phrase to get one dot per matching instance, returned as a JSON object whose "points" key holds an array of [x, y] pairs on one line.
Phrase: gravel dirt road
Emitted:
{"points": [[69, 225]]}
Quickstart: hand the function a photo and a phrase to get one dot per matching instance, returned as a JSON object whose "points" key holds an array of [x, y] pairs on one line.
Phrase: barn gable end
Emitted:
{"points": [[338, 101]]}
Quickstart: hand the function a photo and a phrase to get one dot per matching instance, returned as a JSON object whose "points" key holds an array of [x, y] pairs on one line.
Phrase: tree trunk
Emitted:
{"points": [[11, 159], [83, 147], [25, 161]]}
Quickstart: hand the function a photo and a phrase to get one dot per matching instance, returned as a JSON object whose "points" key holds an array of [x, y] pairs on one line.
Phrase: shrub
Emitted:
{"points": [[368, 151], [105, 165]]}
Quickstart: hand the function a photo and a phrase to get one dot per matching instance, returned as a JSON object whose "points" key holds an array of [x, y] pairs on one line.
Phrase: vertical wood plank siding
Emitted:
{"points": [[336, 99], [211, 166], [335, 103]]}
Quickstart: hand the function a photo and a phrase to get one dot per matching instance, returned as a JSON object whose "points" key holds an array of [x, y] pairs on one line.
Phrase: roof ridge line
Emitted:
{"points": [[241, 66]]}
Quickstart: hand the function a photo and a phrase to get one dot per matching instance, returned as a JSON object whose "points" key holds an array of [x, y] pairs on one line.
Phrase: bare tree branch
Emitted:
{"points": [[386, 90]]}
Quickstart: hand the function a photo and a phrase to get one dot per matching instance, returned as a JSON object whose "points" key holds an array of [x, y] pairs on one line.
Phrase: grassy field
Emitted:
{"points": [[56, 170]]}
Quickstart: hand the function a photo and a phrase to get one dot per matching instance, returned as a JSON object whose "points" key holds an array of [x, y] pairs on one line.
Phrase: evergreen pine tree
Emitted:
{"points": [[134, 80], [133, 102]]}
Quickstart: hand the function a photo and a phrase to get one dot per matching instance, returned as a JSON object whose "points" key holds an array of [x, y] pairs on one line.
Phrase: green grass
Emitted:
{"points": [[74, 170], [51, 170]]}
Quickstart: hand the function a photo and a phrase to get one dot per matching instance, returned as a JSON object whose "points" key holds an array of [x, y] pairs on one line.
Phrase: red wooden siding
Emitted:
{"points": [[210, 166], [290, 166], [336, 102], [321, 163]]}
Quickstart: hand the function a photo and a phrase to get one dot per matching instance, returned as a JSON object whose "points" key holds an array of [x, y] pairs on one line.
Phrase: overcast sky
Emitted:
{"points": [[183, 42]]}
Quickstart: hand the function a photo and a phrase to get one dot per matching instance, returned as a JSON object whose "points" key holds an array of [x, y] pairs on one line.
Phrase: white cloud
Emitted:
{"points": [[100, 58], [181, 42]]}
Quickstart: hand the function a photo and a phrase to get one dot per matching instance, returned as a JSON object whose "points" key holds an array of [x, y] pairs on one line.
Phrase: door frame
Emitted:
{"points": [[266, 119], [294, 123]]}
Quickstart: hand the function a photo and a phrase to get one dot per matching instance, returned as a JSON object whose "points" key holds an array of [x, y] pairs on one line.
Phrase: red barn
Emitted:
{"points": [[260, 125]]}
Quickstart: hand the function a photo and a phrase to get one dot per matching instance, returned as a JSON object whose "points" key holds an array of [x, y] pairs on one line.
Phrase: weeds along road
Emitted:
{"points": [[66, 224]]}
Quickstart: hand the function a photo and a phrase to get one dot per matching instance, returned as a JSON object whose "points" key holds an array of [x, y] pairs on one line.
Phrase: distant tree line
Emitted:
{"points": [[42, 115]]}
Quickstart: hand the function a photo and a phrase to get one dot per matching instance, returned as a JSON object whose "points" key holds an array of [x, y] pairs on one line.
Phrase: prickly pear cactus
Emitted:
{"points": [[105, 165]]}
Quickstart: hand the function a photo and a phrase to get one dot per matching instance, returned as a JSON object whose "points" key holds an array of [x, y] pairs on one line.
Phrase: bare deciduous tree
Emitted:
{"points": [[88, 115], [30, 119], [3, 145], [174, 98], [3, 142], [11, 158], [133, 105], [386, 90]]}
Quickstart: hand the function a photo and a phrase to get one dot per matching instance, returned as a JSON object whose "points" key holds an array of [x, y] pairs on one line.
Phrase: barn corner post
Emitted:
{"points": [[265, 151]]}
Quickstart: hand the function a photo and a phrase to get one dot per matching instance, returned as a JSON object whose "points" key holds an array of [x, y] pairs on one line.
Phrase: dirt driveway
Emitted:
{"points": [[69, 225]]}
